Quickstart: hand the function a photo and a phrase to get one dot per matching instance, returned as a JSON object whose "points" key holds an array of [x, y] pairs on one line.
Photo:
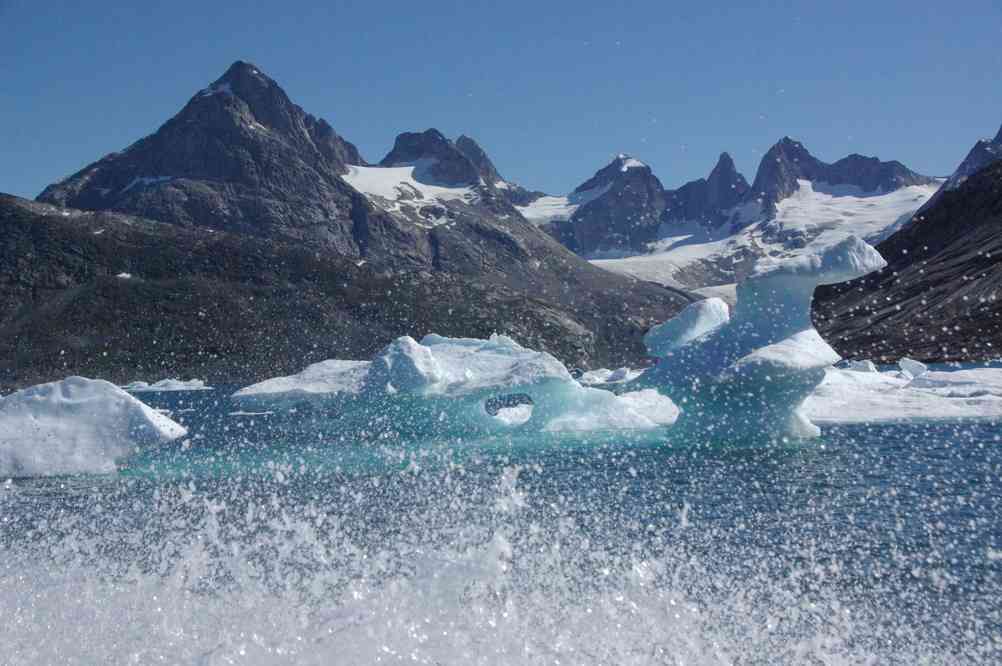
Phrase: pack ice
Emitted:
{"points": [[75, 426], [442, 384]]}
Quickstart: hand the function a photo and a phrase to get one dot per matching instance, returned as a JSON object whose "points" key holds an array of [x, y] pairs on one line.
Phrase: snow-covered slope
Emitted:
{"points": [[406, 190], [815, 217], [552, 209]]}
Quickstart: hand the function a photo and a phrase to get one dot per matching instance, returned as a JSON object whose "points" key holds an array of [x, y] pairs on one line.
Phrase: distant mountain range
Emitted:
{"points": [[624, 209], [248, 219]]}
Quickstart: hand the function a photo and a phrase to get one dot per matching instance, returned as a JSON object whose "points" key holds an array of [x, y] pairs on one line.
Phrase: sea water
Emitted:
{"points": [[277, 539]]}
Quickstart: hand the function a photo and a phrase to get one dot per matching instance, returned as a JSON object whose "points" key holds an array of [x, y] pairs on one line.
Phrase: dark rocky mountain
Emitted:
{"points": [[789, 161], [241, 157], [620, 210], [706, 200], [116, 296], [940, 297], [479, 158], [439, 161], [984, 153]]}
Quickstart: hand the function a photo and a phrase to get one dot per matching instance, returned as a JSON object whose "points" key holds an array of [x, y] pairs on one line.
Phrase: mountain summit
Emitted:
{"points": [[615, 211], [705, 200], [239, 156], [789, 161]]}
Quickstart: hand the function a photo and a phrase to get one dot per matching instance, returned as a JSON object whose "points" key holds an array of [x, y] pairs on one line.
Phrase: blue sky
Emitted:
{"points": [[551, 89]]}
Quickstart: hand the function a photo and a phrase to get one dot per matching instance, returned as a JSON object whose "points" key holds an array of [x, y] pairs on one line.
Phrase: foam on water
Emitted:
{"points": [[536, 551]]}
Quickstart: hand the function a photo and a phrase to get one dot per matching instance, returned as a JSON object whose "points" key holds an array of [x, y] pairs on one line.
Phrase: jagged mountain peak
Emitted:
{"points": [[476, 154], [623, 167], [706, 199], [240, 156], [443, 162], [789, 161], [725, 170]]}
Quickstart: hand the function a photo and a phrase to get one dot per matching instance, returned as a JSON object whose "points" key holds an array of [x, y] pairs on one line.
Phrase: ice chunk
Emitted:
{"points": [[749, 375], [319, 381], [606, 376], [846, 396], [695, 320], [861, 366], [912, 368], [973, 383], [75, 426], [167, 385]]}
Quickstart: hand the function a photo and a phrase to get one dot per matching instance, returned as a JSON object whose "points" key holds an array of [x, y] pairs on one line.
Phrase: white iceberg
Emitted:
{"points": [[606, 376], [861, 366], [321, 381], [748, 374], [167, 385], [467, 384], [846, 396], [911, 368], [697, 319], [76, 426]]}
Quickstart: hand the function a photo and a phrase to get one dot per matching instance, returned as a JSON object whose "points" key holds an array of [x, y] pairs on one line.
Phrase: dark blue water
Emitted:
{"points": [[278, 539]]}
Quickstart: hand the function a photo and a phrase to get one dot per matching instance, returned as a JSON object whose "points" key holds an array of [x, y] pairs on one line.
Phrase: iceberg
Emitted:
{"points": [[847, 396], [696, 320], [747, 374], [76, 425], [441, 384], [911, 369], [166, 385], [861, 366]]}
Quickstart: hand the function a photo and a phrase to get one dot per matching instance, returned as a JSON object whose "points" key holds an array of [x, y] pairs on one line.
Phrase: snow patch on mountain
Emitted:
{"points": [[552, 209], [816, 217], [408, 191]]}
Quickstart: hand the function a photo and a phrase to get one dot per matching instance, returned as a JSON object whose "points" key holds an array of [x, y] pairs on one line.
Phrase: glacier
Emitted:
{"points": [[74, 426]]}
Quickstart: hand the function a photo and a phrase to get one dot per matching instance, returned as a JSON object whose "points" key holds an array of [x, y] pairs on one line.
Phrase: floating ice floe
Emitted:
{"points": [[75, 426], [748, 374], [861, 366], [167, 385], [604, 376], [912, 369], [456, 383], [846, 396]]}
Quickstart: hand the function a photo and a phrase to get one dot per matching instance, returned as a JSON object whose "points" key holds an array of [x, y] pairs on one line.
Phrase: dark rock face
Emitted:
{"points": [[984, 153], [438, 160], [240, 156], [621, 210], [233, 308], [940, 298], [473, 152], [789, 161], [707, 199]]}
